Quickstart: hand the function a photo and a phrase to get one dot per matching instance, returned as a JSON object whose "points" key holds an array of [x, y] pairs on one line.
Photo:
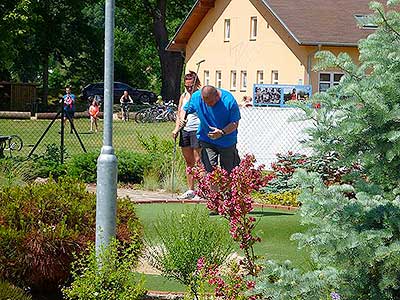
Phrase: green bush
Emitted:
{"points": [[162, 161], [131, 166], [10, 292], [14, 172], [42, 225], [108, 276], [283, 169], [182, 238], [84, 166], [286, 198], [48, 163]]}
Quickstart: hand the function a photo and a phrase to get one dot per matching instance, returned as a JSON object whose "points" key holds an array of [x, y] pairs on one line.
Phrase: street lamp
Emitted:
{"points": [[106, 192]]}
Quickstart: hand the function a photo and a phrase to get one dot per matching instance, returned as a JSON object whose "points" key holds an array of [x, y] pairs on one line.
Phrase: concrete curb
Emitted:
{"points": [[149, 197]]}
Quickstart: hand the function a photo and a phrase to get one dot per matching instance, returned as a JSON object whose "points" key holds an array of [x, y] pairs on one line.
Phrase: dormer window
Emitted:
{"points": [[253, 28], [366, 21], [227, 30]]}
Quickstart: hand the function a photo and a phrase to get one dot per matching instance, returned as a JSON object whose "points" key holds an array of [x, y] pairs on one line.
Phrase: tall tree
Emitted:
{"points": [[164, 14], [46, 30]]}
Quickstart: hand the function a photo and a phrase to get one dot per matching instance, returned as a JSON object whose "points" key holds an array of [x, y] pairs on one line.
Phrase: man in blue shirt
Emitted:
{"points": [[219, 117]]}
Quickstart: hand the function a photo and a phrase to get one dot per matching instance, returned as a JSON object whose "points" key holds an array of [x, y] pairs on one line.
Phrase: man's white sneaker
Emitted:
{"points": [[189, 194], [197, 198]]}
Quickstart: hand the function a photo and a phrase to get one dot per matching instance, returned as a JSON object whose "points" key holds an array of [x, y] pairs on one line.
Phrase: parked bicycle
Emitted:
{"points": [[10, 143], [157, 113], [125, 111]]}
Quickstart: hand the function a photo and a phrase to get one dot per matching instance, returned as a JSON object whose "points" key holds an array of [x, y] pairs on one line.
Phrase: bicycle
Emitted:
{"points": [[125, 111], [168, 112], [10, 143], [157, 113]]}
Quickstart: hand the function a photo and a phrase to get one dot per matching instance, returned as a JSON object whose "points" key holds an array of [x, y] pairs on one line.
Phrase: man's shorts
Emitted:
{"points": [[211, 155], [188, 139], [69, 113]]}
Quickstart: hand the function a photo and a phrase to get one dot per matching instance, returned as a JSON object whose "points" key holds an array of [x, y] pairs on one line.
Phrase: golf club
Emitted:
{"points": [[194, 82]]}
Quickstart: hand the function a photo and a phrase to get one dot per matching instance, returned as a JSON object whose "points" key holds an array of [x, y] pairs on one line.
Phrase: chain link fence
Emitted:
{"points": [[263, 131], [267, 131]]}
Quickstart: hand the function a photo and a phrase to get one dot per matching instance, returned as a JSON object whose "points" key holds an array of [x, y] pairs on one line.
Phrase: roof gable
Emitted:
{"points": [[309, 22]]}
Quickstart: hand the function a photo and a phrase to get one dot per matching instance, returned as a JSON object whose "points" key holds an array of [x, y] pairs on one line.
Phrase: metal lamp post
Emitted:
{"points": [[106, 191]]}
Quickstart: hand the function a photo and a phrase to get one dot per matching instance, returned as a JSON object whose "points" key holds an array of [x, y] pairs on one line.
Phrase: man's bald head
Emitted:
{"points": [[210, 95]]}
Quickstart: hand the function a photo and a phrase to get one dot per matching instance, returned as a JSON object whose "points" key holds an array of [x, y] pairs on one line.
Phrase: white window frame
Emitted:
{"points": [[243, 80], [260, 77], [206, 80], [253, 28], [274, 77], [218, 79], [227, 30], [331, 81], [233, 80]]}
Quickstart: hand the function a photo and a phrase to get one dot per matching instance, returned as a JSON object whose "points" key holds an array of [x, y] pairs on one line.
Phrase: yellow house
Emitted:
{"points": [[244, 42]]}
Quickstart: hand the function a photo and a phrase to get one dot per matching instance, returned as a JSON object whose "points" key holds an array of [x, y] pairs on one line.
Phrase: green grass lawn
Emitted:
{"points": [[125, 134], [274, 227]]}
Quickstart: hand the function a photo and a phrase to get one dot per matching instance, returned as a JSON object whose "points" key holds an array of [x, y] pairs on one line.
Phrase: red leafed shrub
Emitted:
{"points": [[43, 225]]}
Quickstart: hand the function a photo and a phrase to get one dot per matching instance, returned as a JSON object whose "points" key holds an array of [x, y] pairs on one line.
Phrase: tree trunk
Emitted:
{"points": [[171, 62], [45, 77]]}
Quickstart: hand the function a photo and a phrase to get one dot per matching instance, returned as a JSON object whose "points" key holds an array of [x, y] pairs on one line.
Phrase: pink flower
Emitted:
{"points": [[200, 263], [250, 284]]}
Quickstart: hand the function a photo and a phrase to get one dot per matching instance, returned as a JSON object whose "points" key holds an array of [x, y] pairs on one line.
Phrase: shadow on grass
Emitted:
{"points": [[263, 213], [270, 213]]}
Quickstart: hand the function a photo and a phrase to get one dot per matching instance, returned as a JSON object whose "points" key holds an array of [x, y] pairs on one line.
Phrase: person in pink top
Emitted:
{"points": [[94, 114]]}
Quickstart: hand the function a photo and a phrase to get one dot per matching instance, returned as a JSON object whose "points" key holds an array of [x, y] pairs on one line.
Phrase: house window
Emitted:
{"points": [[260, 77], [218, 79], [243, 80], [275, 77], [327, 80], [253, 28], [206, 77], [233, 80], [366, 21], [227, 30]]}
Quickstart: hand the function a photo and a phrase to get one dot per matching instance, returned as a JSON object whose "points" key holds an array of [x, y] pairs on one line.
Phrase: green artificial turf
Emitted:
{"points": [[274, 227]]}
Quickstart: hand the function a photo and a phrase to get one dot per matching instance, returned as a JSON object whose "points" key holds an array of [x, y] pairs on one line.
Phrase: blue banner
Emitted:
{"points": [[279, 95]]}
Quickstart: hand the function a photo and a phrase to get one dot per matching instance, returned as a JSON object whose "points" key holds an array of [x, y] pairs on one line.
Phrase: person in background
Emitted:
{"points": [[69, 106], [159, 100], [219, 116], [187, 138], [247, 101], [94, 114], [293, 95], [125, 100]]}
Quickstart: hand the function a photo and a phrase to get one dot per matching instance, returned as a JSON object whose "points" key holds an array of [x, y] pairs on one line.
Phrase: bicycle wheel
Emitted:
{"points": [[15, 143], [171, 116], [152, 115], [140, 116]]}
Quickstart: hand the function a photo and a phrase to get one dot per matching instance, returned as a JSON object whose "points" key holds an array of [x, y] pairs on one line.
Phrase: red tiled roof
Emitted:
{"points": [[325, 22], [309, 22]]}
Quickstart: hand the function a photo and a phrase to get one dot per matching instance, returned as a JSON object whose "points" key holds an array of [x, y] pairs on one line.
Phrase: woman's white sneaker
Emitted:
{"points": [[189, 194]]}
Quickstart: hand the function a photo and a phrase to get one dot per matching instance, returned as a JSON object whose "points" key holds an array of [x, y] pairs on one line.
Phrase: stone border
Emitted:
{"points": [[161, 295], [256, 204]]}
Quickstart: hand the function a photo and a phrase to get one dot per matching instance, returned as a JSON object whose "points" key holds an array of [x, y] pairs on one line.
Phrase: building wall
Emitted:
{"points": [[266, 53], [273, 49]]}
